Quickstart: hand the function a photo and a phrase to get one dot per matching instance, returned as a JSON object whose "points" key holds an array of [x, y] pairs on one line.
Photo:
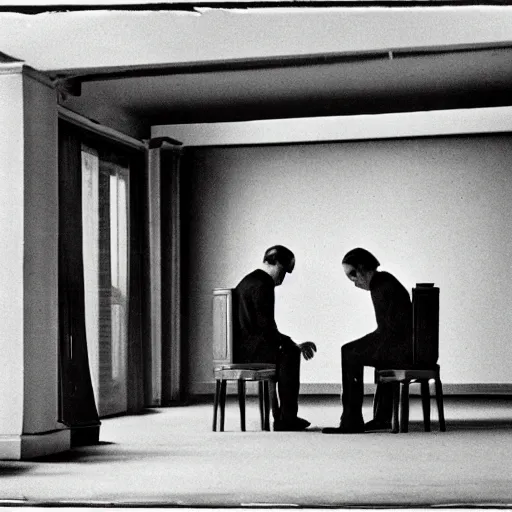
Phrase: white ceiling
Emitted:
{"points": [[227, 64]]}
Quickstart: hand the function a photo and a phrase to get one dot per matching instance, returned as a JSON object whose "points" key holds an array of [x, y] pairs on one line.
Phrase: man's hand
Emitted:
{"points": [[308, 349]]}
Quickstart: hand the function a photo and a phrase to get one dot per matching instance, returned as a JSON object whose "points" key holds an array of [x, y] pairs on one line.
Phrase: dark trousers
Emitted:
{"points": [[286, 405], [367, 351]]}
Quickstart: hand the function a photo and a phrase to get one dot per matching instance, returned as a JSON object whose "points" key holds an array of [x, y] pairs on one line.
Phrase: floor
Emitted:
{"points": [[169, 457]]}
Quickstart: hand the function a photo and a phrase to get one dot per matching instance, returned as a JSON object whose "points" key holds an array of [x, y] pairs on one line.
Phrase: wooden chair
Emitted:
{"points": [[424, 367], [225, 370]]}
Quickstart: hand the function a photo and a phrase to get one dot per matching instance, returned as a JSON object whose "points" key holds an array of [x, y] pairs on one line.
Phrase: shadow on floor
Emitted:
{"points": [[104, 452], [452, 425], [13, 469], [143, 412]]}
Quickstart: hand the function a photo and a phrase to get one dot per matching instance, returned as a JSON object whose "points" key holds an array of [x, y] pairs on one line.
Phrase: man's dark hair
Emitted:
{"points": [[280, 254], [361, 258]]}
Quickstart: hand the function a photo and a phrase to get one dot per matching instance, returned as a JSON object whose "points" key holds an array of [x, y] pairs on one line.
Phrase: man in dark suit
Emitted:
{"points": [[257, 339], [390, 344]]}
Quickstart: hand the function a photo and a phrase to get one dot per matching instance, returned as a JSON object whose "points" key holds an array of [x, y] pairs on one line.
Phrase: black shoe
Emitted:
{"points": [[302, 421], [295, 425], [343, 430], [377, 425]]}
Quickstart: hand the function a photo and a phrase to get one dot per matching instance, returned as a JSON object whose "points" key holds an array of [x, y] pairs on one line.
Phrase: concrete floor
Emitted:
{"points": [[169, 457]]}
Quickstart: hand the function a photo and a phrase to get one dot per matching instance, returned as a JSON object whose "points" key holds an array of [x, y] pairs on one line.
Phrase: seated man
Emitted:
{"points": [[257, 339], [390, 344]]}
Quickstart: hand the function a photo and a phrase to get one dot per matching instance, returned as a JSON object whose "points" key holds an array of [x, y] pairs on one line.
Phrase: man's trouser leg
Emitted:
{"points": [[354, 357], [288, 382], [352, 371]]}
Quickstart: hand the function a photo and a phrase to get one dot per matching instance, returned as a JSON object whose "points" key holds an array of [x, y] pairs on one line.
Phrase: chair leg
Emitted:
{"points": [[395, 424], [241, 403], [216, 404], [440, 405], [376, 398], [223, 387], [274, 399], [404, 406], [262, 404], [266, 399], [425, 402]]}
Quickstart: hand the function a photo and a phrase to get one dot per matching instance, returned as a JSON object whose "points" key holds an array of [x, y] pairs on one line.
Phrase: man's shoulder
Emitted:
{"points": [[381, 279], [255, 278], [387, 278], [387, 282]]}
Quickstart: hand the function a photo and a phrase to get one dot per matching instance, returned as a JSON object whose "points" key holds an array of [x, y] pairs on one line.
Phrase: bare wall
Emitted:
{"points": [[431, 209], [41, 330]]}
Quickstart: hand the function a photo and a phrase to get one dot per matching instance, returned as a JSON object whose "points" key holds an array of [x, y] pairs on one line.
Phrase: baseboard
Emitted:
{"points": [[330, 388], [46, 443], [30, 446], [477, 389], [206, 388]]}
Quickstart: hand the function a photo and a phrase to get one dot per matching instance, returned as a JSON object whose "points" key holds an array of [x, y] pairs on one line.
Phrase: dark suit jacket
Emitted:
{"points": [[393, 313], [256, 337]]}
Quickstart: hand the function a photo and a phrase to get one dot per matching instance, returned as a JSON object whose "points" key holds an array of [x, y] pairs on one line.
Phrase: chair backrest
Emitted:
{"points": [[425, 315], [222, 326]]}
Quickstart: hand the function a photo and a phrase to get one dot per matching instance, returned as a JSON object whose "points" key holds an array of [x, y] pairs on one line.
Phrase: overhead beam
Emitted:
{"points": [[341, 128], [119, 72]]}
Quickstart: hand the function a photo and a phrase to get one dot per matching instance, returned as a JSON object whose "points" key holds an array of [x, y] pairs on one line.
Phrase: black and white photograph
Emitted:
{"points": [[256, 255]]}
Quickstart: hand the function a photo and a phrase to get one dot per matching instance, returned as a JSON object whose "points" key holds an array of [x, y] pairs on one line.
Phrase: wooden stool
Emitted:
{"points": [[264, 374], [400, 379], [225, 369], [424, 367]]}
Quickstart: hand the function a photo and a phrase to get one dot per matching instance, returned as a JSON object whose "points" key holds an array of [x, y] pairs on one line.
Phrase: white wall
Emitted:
{"points": [[28, 295], [11, 254], [431, 209], [40, 257]]}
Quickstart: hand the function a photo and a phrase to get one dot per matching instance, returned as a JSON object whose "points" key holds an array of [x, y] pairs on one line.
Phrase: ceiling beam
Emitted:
{"points": [[342, 128], [119, 72]]}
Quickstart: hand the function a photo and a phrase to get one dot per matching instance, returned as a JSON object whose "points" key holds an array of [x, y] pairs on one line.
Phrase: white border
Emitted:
{"points": [[337, 128]]}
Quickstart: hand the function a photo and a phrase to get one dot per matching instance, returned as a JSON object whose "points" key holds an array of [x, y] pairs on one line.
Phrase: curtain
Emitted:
{"points": [[76, 398], [91, 258], [138, 329], [106, 176], [173, 350]]}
